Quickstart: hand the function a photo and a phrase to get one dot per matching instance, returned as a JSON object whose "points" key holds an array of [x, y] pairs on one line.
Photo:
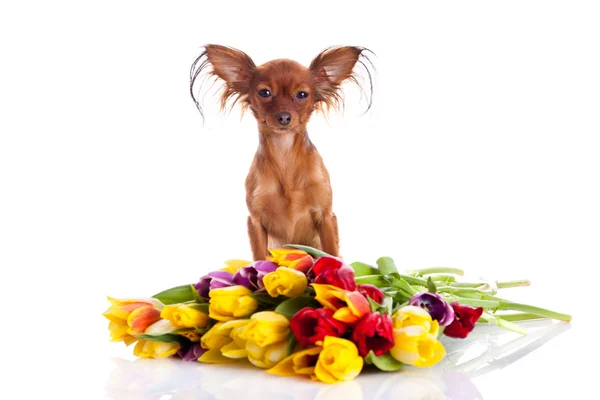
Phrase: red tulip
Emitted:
{"points": [[372, 291], [332, 271], [374, 332], [464, 321], [313, 324]]}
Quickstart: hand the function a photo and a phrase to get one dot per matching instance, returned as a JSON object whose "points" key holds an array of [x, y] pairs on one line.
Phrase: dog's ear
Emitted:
{"points": [[331, 68], [231, 65]]}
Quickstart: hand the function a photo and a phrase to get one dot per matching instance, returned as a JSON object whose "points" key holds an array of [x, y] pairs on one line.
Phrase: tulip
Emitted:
{"points": [[348, 307], [413, 315], [191, 353], [465, 318], [233, 266], [371, 291], [292, 258], [224, 342], [153, 349], [311, 325], [435, 305], [299, 363], [413, 345], [184, 316], [252, 275], [285, 281], [373, 332], [213, 280], [338, 361], [129, 317], [266, 338], [230, 303], [330, 270]]}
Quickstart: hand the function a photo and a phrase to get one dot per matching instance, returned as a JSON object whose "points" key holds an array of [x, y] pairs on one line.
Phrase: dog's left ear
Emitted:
{"points": [[331, 68]]}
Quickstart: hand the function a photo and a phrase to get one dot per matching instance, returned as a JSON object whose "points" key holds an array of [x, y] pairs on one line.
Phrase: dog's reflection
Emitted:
{"points": [[484, 352]]}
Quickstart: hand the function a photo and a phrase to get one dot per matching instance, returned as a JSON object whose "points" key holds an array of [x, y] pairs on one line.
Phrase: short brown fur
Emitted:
{"points": [[288, 190]]}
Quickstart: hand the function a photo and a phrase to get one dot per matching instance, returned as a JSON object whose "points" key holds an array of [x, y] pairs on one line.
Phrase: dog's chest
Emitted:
{"points": [[288, 207]]}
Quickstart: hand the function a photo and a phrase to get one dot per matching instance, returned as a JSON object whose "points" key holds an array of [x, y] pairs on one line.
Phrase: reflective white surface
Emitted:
{"points": [[481, 152], [465, 373]]}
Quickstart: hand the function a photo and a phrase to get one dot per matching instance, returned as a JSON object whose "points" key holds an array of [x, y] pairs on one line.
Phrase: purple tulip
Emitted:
{"points": [[191, 353], [213, 280], [252, 275], [435, 305]]}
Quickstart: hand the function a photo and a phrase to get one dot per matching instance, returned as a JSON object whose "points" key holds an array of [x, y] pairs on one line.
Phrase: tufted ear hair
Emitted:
{"points": [[334, 66], [234, 67]]}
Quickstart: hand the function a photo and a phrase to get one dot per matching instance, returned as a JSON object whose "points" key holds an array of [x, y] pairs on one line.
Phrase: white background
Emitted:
{"points": [[480, 151]]}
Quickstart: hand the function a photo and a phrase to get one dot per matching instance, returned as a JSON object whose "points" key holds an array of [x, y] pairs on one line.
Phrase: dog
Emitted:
{"points": [[288, 190]]}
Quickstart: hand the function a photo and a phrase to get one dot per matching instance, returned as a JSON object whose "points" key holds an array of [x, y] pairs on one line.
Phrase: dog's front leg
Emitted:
{"points": [[258, 238], [328, 233]]}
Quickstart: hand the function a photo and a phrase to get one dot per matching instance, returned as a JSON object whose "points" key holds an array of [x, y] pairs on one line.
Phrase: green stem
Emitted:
{"points": [[542, 312], [487, 304], [502, 323], [413, 280], [500, 285], [436, 270], [512, 284], [519, 317]]}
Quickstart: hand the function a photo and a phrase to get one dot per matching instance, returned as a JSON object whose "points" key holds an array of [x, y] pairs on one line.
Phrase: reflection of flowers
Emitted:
{"points": [[154, 379]]}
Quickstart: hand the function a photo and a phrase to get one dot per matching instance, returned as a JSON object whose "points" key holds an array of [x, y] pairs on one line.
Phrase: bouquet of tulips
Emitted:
{"points": [[304, 312]]}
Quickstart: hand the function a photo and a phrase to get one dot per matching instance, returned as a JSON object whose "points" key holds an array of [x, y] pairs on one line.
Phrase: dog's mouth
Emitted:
{"points": [[279, 128]]}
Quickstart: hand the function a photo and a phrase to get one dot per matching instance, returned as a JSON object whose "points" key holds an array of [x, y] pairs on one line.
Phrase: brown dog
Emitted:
{"points": [[288, 192]]}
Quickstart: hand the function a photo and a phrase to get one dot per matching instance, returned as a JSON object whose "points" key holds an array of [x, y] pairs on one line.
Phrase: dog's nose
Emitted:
{"points": [[284, 118]]}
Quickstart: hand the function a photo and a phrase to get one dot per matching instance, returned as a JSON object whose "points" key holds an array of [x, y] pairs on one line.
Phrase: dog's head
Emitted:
{"points": [[282, 94]]}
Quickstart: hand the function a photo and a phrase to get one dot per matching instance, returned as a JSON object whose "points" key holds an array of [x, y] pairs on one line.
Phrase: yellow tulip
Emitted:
{"points": [[414, 345], [338, 361], [349, 306], [413, 315], [285, 281], [184, 316], [291, 258], [235, 330], [224, 342], [231, 303], [266, 338], [267, 327], [234, 265], [152, 349], [299, 363], [129, 317]]}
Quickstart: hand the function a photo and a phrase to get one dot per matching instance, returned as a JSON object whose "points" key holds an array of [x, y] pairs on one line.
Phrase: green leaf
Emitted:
{"points": [[310, 250], [375, 306], [431, 285], [178, 294], [291, 306], [387, 305], [384, 362], [168, 337], [362, 269], [386, 265], [377, 280], [200, 307], [265, 298], [400, 284], [196, 295], [291, 345]]}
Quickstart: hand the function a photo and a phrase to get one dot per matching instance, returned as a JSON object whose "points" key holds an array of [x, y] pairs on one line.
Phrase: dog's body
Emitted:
{"points": [[288, 191]]}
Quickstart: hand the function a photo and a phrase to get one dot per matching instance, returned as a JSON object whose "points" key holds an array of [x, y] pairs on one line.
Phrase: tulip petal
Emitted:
{"points": [[234, 265], [214, 356]]}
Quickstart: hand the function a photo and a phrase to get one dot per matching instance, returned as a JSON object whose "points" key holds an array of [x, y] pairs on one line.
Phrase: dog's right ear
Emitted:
{"points": [[232, 66]]}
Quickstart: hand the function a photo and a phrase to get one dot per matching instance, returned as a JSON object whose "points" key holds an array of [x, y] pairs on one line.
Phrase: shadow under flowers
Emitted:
{"points": [[486, 350]]}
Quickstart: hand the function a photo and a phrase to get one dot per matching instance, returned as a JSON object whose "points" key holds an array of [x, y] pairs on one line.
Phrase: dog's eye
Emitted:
{"points": [[301, 95], [264, 93]]}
